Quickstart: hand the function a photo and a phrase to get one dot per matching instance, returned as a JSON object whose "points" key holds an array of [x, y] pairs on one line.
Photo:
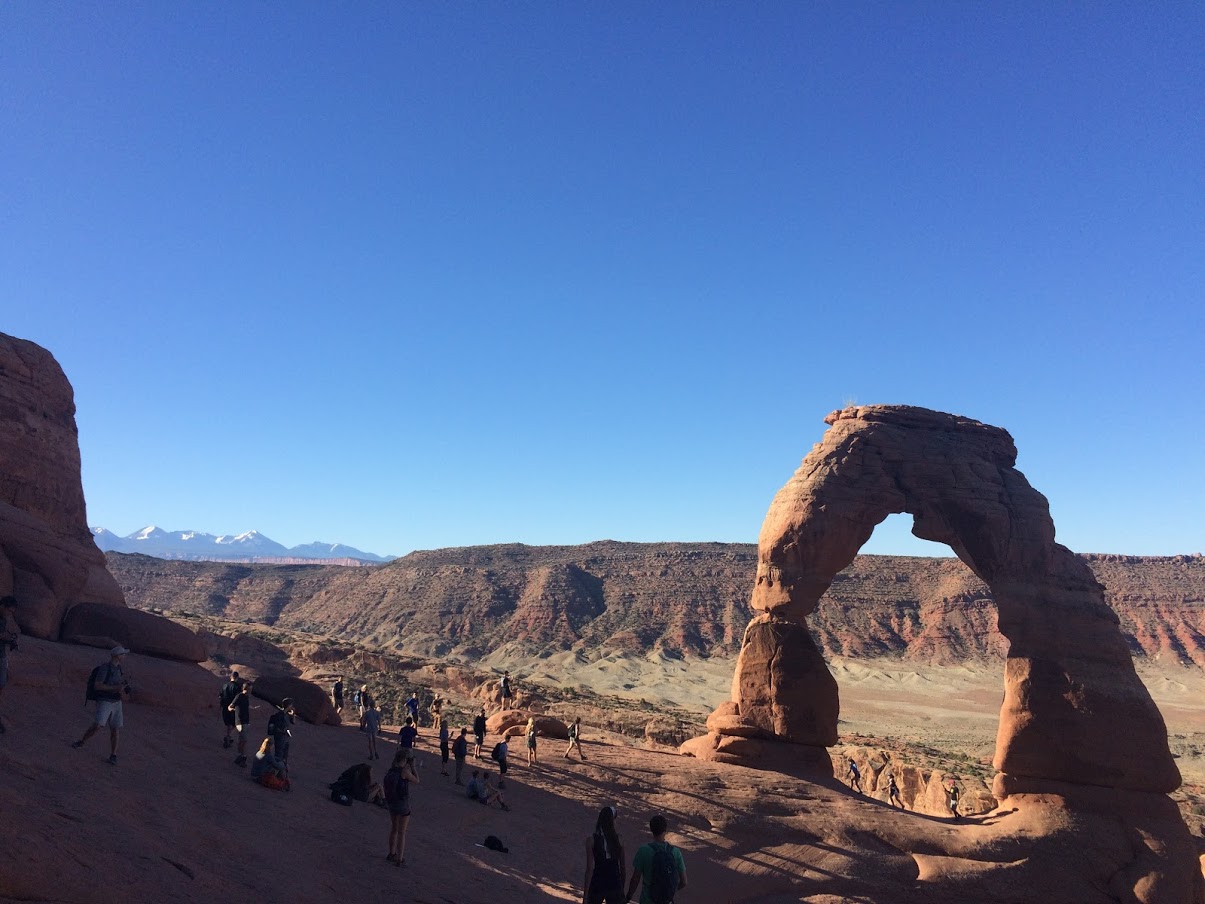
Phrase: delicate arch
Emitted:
{"points": [[1068, 679]]}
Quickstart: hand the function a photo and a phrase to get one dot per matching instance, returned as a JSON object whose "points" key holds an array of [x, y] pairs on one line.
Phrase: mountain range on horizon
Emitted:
{"points": [[251, 545]]}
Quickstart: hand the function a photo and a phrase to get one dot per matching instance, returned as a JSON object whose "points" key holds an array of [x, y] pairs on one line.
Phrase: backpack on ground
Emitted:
{"points": [[663, 877], [496, 753]]}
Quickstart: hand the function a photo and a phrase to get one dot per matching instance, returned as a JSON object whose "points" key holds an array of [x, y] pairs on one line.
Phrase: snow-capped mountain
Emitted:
{"points": [[192, 544]]}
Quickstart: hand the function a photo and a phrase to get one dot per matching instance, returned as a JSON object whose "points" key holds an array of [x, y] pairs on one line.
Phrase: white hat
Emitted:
{"points": [[118, 651]]}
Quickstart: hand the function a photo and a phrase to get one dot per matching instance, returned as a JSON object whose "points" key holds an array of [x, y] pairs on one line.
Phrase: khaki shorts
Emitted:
{"points": [[108, 712]]}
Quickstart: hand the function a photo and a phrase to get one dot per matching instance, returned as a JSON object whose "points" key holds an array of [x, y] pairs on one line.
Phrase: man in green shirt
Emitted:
{"points": [[657, 868]]}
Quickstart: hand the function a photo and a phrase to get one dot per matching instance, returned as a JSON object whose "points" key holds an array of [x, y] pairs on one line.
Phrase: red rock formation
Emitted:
{"points": [[1074, 709], [48, 558], [311, 702]]}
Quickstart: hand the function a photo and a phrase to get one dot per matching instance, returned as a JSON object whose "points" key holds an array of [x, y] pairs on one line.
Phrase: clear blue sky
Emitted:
{"points": [[409, 275]]}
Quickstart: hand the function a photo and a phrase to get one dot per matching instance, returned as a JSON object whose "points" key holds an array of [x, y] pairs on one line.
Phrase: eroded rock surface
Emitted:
{"points": [[1074, 708], [48, 559]]}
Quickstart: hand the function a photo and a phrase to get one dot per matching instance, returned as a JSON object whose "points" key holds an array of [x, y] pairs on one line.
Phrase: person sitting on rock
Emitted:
{"points": [[265, 762], [491, 793], [855, 777]]}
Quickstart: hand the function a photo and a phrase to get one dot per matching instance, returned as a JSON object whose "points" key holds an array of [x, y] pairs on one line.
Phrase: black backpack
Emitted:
{"points": [[90, 693], [663, 876], [229, 691], [496, 753]]}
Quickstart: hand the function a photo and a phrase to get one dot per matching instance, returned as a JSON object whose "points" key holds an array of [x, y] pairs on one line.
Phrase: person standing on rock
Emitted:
{"points": [[504, 687], [855, 777], [953, 793], [532, 757], [9, 634], [240, 708], [109, 686], [412, 705], [444, 745], [372, 727], [337, 693], [279, 729], [893, 791], [460, 751], [479, 732], [575, 739], [606, 866], [407, 735], [396, 785], [658, 868], [225, 697], [437, 706]]}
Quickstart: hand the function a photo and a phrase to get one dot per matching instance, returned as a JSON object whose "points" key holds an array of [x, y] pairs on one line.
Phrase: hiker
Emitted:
{"points": [[482, 790], [337, 693], [278, 728], [953, 793], [240, 710], [407, 734], [479, 732], [437, 706], [855, 777], [575, 739], [225, 697], [444, 744], [397, 799], [606, 867], [412, 705], [460, 751], [498, 755], [9, 634], [504, 686], [893, 791], [107, 685], [355, 783], [657, 867], [532, 757], [265, 762], [372, 726]]}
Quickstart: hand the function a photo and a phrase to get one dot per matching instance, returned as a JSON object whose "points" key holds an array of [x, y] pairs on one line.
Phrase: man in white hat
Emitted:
{"points": [[107, 685]]}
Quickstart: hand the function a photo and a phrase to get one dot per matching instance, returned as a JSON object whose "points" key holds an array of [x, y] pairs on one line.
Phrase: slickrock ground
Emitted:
{"points": [[176, 821]]}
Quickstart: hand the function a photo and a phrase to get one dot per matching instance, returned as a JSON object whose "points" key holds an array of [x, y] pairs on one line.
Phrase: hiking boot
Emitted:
{"points": [[227, 743], [112, 759], [77, 744]]}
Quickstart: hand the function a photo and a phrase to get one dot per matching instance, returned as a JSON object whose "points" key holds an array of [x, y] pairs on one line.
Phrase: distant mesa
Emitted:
{"points": [[252, 546]]}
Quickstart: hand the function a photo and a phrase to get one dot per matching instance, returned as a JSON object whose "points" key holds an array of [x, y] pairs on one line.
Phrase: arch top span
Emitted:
{"points": [[1069, 677]]}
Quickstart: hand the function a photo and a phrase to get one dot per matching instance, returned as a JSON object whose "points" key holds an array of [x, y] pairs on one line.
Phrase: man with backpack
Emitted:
{"points": [[479, 732], [658, 868], [107, 685], [279, 729], [225, 697], [498, 755]]}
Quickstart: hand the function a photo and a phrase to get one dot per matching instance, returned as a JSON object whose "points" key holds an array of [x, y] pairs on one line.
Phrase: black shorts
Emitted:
{"points": [[228, 718], [443, 752]]}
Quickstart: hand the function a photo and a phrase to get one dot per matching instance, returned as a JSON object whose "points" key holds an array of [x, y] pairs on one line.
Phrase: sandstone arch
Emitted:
{"points": [[1069, 681]]}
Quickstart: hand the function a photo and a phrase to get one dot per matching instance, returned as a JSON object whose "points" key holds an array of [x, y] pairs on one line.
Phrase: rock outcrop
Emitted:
{"points": [[310, 701], [48, 559], [1074, 708]]}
